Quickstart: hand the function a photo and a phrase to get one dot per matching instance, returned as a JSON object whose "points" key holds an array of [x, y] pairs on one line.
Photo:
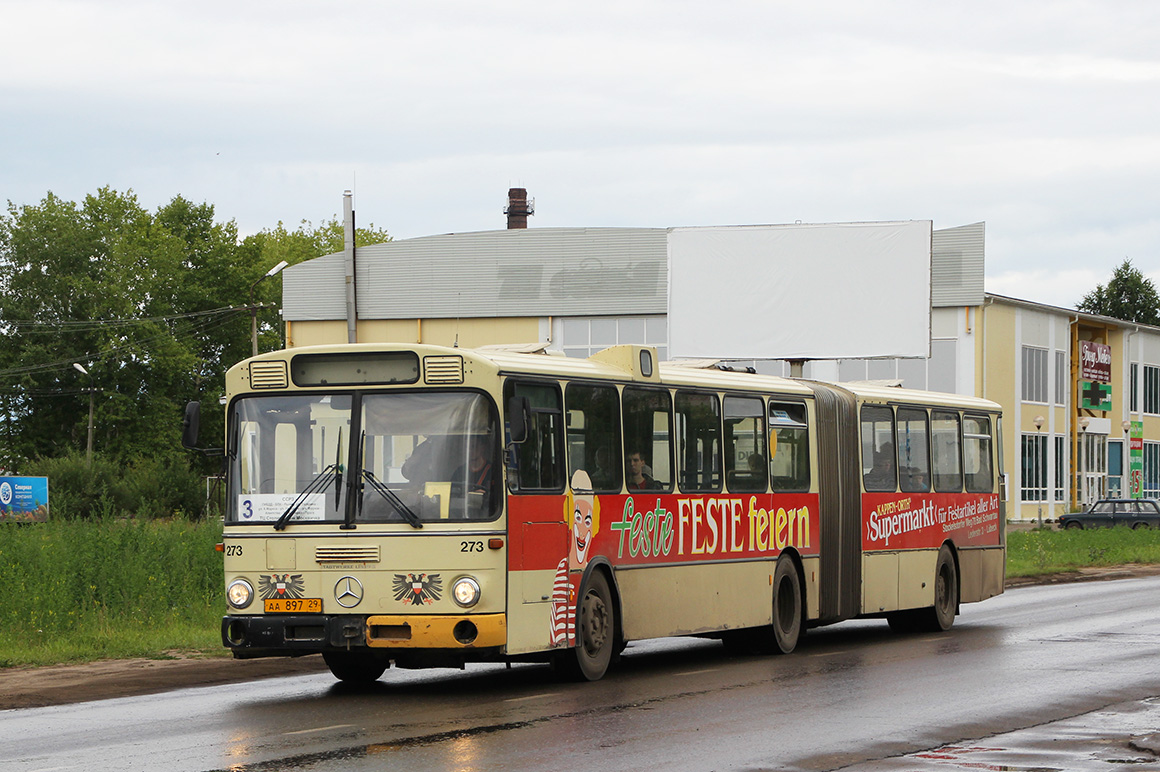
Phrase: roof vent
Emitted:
{"points": [[443, 369], [269, 375]]}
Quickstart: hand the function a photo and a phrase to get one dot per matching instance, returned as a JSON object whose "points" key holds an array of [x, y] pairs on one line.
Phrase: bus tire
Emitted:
{"points": [[355, 667], [939, 617], [787, 606], [595, 632]]}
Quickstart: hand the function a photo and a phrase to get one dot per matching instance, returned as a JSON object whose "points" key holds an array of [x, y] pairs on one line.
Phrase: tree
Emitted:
{"points": [[141, 301], [152, 305], [306, 242], [1129, 295]]}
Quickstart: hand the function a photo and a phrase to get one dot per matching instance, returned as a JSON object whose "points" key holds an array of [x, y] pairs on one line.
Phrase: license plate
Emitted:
{"points": [[293, 605]]}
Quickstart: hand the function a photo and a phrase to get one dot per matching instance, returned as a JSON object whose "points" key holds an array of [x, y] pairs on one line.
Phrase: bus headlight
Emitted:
{"points": [[465, 592], [239, 593]]}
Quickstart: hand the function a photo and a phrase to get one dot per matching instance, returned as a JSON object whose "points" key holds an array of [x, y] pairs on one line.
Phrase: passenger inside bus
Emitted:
{"points": [[638, 480], [881, 477], [477, 471]]}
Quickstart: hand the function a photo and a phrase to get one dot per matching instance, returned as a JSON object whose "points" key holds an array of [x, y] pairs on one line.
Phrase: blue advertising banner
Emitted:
{"points": [[23, 499]]}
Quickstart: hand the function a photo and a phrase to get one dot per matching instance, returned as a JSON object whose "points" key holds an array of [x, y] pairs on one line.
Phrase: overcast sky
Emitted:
{"points": [[1041, 118]]}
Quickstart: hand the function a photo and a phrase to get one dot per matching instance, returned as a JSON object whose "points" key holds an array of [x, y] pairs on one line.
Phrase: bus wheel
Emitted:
{"points": [[595, 632], [941, 615], [787, 607], [355, 667]]}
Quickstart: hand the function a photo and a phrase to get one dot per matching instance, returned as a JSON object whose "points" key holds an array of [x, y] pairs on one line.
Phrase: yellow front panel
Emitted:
{"points": [[418, 631]]}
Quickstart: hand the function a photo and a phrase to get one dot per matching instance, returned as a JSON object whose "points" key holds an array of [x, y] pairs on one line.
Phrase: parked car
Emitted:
{"points": [[1105, 513]]}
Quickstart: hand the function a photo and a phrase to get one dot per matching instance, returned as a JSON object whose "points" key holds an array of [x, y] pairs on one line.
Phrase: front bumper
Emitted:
{"points": [[266, 635]]}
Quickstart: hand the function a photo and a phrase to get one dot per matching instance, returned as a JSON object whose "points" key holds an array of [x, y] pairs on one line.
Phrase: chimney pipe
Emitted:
{"points": [[518, 208]]}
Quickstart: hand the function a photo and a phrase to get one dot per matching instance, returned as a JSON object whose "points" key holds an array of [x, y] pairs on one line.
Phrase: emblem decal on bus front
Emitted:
{"points": [[418, 589], [285, 586]]}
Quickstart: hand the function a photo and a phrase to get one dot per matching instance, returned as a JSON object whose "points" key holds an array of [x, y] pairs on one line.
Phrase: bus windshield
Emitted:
{"points": [[369, 458]]}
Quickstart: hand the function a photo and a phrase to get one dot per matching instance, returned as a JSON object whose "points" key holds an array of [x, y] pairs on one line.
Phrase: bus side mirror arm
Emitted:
{"points": [[191, 427]]}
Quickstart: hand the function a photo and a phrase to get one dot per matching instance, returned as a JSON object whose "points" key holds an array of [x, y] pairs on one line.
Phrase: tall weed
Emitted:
{"points": [[91, 585]]}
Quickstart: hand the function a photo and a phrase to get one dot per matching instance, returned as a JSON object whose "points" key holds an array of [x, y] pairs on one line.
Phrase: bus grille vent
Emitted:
{"points": [[268, 375], [359, 554], [443, 369]]}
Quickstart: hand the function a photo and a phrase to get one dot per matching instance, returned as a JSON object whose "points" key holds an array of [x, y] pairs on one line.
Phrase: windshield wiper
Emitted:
{"points": [[388, 494], [319, 484]]}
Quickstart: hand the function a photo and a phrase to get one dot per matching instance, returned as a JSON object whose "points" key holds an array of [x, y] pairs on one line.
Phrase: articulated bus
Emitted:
{"points": [[426, 506]]}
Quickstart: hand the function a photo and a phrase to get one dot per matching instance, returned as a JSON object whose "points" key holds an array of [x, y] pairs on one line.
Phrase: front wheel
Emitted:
{"points": [[355, 667], [1074, 526], [595, 632]]}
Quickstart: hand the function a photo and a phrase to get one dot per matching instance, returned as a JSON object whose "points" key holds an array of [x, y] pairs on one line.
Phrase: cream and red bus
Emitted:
{"points": [[423, 506]]}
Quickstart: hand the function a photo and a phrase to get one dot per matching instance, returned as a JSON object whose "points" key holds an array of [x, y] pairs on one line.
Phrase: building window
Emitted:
{"points": [[1060, 378], [1151, 469], [1034, 374], [1134, 387], [584, 336], [1034, 484], [1060, 465], [1151, 390]]}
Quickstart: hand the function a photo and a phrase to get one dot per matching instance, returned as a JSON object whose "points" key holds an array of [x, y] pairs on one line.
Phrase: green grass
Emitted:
{"points": [[79, 590], [1043, 551]]}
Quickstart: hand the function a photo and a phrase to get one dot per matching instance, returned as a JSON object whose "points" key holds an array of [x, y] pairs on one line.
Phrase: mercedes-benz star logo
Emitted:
{"points": [[348, 592]]}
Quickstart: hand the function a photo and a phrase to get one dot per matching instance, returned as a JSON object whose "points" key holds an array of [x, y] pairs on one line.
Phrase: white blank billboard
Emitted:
{"points": [[832, 291]]}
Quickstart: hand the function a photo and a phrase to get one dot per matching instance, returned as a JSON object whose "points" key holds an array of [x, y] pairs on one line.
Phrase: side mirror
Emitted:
{"points": [[191, 425], [518, 417]]}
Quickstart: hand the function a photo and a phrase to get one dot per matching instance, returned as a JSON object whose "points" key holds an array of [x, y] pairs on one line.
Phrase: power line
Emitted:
{"points": [[204, 325]]}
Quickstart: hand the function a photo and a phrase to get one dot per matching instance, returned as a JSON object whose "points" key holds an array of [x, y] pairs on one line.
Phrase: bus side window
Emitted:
{"points": [[789, 447], [977, 454], [648, 427], [745, 467], [913, 447], [593, 420], [878, 460], [540, 458], [947, 450], [698, 442]]}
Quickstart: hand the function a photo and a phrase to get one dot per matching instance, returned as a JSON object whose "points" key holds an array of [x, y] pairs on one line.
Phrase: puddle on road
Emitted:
{"points": [[1121, 737]]}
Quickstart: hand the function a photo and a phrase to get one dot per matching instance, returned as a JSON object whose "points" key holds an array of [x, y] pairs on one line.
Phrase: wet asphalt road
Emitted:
{"points": [[854, 696]]}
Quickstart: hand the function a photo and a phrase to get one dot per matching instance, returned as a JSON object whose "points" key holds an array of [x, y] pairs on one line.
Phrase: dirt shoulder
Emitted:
{"points": [[106, 679], [64, 684]]}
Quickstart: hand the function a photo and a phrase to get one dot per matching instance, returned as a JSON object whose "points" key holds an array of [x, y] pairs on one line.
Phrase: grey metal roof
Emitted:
{"points": [[534, 272], [547, 272]]}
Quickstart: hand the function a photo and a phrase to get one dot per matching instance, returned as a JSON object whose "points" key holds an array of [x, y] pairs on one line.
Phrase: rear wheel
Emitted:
{"points": [[355, 667], [1140, 524], [595, 632], [787, 606], [940, 616], [783, 635]]}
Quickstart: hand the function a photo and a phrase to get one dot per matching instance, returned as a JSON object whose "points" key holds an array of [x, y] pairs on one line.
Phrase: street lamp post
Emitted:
{"points": [[92, 392], [254, 309]]}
